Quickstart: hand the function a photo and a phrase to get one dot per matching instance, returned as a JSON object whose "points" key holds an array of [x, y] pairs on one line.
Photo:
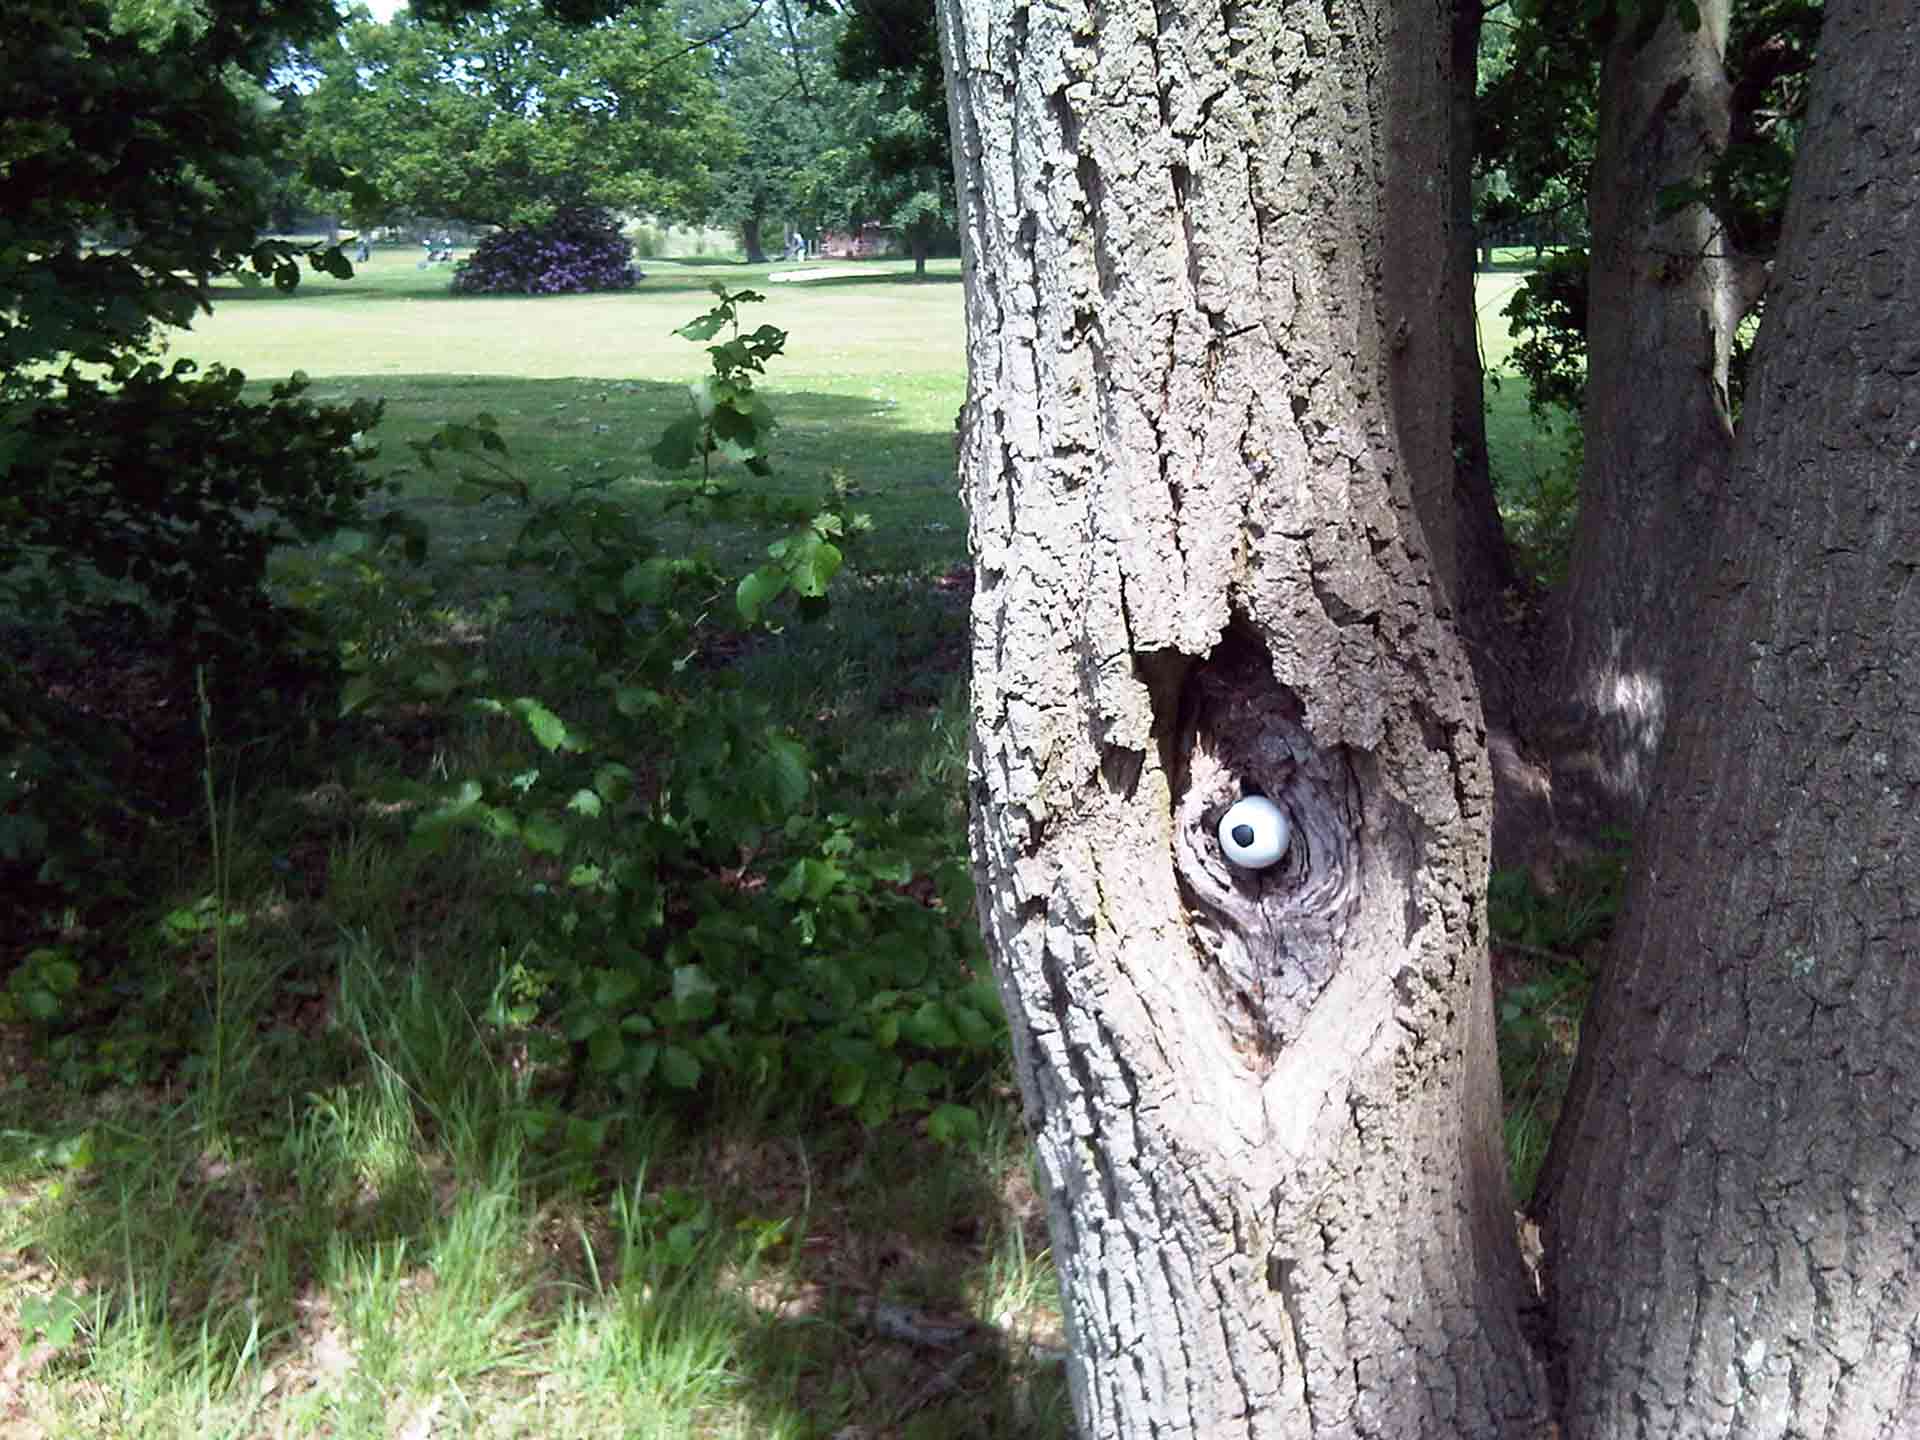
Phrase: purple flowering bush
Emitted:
{"points": [[577, 251]]}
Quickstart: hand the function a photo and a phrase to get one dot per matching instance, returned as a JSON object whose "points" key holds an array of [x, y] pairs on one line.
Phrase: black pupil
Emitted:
{"points": [[1243, 835]]}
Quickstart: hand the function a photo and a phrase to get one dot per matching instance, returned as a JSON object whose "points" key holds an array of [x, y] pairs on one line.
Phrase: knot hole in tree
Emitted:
{"points": [[1268, 939]]}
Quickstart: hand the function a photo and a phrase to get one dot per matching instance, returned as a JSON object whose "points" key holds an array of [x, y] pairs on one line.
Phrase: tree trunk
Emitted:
{"points": [[1418, 277], [750, 234], [1482, 565], [1264, 1101], [1663, 303], [1732, 1195]]}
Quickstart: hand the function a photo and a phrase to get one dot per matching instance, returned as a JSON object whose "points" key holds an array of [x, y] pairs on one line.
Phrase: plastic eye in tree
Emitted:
{"points": [[1254, 833]]}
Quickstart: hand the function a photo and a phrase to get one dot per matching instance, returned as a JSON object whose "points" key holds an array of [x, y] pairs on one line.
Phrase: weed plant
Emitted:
{"points": [[1546, 944]]}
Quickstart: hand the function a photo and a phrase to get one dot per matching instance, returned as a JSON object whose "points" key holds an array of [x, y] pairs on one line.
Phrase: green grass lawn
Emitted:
{"points": [[854, 334], [308, 1184], [871, 382]]}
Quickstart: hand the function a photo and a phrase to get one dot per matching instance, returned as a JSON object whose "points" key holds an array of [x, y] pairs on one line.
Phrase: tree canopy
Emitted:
{"points": [[893, 45], [508, 115], [105, 226], [774, 66], [139, 502]]}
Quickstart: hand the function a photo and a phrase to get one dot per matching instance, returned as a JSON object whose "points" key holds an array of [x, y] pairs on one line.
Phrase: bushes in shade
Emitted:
{"points": [[575, 252]]}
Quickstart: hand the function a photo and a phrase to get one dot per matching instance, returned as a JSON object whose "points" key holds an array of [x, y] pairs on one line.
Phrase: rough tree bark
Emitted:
{"points": [[1265, 1102], [1734, 1195], [1664, 297]]}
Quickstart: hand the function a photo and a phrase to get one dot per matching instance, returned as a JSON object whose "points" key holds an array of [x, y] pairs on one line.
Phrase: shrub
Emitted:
{"points": [[168, 489], [141, 512], [576, 252], [714, 911]]}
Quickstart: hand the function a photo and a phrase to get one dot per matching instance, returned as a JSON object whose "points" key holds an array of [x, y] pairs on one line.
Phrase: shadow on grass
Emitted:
{"points": [[560, 432]]}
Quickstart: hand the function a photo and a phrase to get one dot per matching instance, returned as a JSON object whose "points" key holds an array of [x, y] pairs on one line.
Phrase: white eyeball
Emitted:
{"points": [[1254, 833]]}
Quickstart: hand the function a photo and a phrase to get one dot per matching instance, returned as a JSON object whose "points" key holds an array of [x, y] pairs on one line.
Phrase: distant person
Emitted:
{"points": [[796, 246], [363, 252]]}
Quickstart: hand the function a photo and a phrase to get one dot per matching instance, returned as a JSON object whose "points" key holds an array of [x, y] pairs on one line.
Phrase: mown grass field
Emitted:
{"points": [[871, 382], [312, 1187]]}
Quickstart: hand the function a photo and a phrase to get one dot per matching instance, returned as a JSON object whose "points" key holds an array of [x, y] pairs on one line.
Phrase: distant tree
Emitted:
{"points": [[1535, 120], [893, 45], [773, 66], [508, 115]]}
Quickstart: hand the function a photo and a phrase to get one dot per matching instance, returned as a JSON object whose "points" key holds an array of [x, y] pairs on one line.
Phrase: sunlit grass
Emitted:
{"points": [[858, 336], [382, 1261]]}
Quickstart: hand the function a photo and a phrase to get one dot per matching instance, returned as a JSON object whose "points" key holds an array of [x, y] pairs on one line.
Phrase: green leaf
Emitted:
{"points": [[648, 582], [757, 590], [811, 880], [614, 988], [613, 783], [949, 1123], [816, 565], [431, 832], [40, 1004], [924, 1077], [546, 834], [632, 700], [877, 1105], [695, 995], [548, 728], [356, 692], [704, 327], [605, 1048], [977, 1031], [791, 772], [932, 1026], [849, 1082], [891, 872], [683, 1240], [679, 1068], [682, 443]]}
